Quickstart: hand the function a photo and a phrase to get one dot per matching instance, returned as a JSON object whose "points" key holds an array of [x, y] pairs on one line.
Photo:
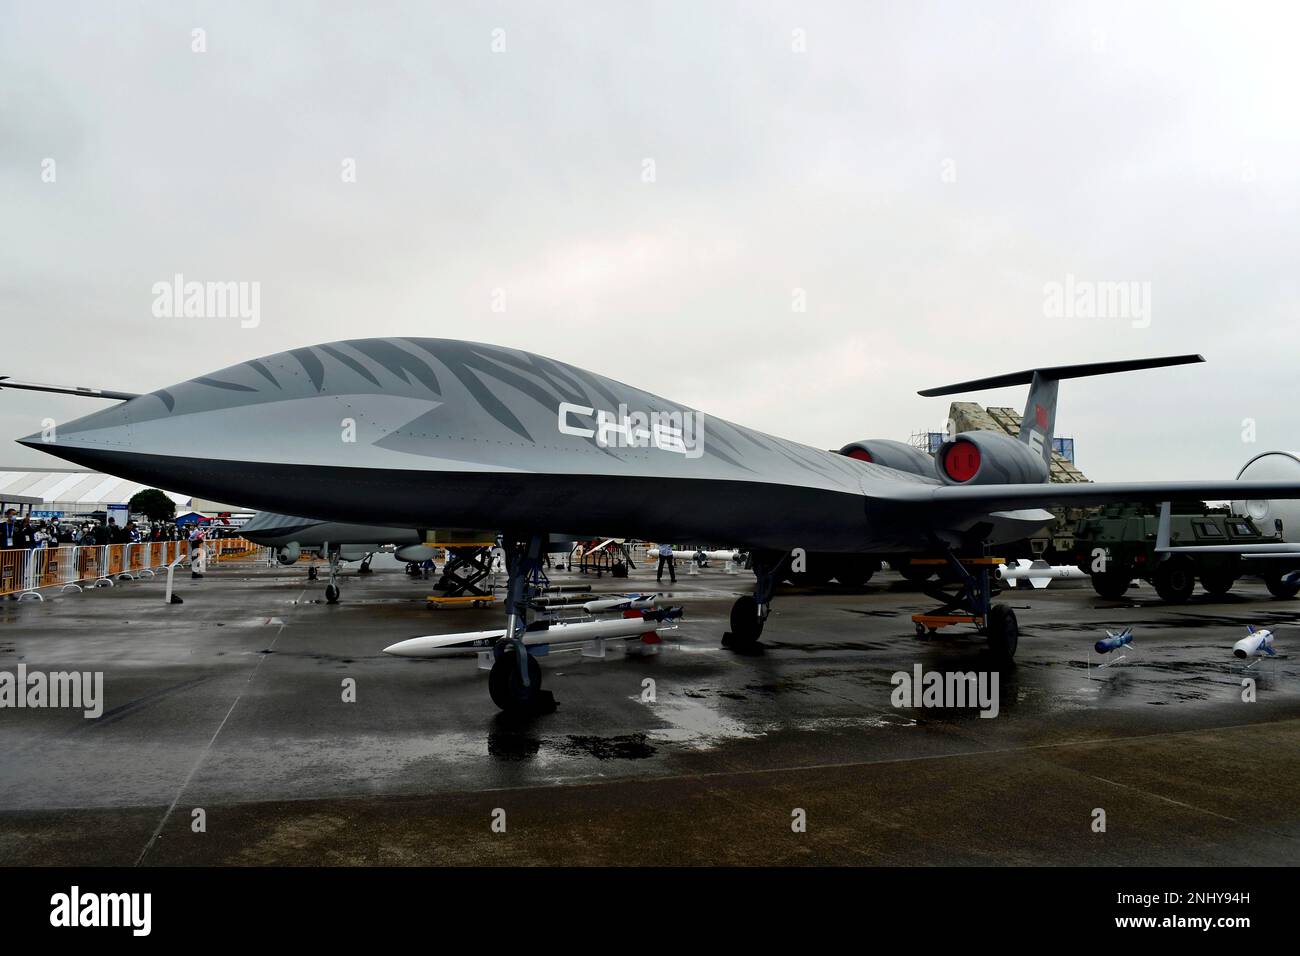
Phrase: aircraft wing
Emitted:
{"points": [[985, 498]]}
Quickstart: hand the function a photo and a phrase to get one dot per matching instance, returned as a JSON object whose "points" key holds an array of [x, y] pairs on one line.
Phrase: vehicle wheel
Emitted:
{"points": [[855, 571], [1003, 632], [746, 627], [916, 573], [1111, 585], [331, 594], [1280, 589], [1175, 579], [506, 687], [1218, 583]]}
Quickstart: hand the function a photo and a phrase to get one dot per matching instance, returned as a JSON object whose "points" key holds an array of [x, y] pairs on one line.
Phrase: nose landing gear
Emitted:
{"points": [[332, 592], [515, 680], [749, 613]]}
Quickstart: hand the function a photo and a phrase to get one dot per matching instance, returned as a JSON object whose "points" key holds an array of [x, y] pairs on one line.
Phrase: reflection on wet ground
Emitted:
{"points": [[235, 700]]}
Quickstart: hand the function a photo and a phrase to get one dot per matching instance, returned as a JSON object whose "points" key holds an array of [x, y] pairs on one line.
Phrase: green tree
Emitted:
{"points": [[152, 503]]}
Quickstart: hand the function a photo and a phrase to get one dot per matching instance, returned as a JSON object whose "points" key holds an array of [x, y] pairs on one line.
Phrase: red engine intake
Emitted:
{"points": [[891, 454], [961, 461], [988, 458]]}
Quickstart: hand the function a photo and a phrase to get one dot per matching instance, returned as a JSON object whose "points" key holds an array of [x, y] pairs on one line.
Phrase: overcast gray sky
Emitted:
{"points": [[922, 172]]}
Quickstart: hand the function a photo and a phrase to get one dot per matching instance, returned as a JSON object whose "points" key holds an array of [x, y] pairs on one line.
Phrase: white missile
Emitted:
{"points": [[1256, 644], [626, 602], [1038, 573], [554, 634]]}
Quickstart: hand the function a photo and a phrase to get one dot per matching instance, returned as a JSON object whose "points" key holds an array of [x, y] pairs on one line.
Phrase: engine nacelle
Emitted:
{"points": [[289, 553], [989, 458], [891, 454], [416, 553]]}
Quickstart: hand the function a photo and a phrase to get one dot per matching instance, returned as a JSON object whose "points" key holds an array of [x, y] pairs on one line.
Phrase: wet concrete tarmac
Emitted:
{"points": [[232, 704]]}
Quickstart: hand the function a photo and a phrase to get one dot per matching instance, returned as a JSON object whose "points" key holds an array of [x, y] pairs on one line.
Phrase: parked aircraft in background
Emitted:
{"points": [[335, 541]]}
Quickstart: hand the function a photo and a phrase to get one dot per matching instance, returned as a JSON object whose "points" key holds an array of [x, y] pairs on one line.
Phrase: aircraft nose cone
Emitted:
{"points": [[86, 439]]}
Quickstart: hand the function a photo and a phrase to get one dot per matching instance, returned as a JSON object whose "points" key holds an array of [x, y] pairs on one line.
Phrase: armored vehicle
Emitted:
{"points": [[1119, 544]]}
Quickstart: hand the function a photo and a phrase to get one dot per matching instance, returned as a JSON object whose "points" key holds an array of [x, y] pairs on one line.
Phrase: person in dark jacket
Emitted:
{"points": [[10, 530]]}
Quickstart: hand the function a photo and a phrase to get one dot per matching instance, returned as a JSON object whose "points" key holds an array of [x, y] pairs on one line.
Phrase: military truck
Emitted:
{"points": [[1119, 544]]}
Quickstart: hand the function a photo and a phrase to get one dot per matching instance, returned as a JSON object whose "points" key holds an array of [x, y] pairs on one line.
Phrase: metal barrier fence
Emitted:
{"points": [[26, 571]]}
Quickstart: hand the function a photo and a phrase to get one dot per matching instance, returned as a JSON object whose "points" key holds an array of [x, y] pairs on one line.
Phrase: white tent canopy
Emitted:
{"points": [[72, 491]]}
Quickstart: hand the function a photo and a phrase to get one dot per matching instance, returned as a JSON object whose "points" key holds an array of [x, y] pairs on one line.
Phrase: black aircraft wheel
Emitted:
{"points": [[506, 686], [1217, 583], [746, 627], [1003, 632], [331, 594], [1111, 585], [1280, 589], [365, 568], [1175, 579]]}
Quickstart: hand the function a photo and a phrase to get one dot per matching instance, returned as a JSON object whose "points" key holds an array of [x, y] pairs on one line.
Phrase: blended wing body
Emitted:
{"points": [[440, 432]]}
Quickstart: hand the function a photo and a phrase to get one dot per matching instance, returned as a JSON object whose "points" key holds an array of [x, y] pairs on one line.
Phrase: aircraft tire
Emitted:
{"points": [[331, 594], [506, 688], [746, 628], [1003, 632]]}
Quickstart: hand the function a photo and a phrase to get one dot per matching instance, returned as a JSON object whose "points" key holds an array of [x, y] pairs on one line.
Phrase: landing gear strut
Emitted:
{"points": [[748, 614], [515, 681], [973, 604], [332, 591]]}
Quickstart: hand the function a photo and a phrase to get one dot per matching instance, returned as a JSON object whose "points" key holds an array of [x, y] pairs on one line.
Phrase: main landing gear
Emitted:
{"points": [[972, 604], [749, 614], [515, 681]]}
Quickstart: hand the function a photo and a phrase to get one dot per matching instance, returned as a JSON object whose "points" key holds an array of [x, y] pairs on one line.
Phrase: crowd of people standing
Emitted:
{"points": [[24, 532]]}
